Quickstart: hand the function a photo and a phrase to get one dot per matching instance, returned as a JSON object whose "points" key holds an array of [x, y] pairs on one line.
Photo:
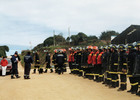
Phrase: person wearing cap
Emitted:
{"points": [[94, 62], [27, 60], [14, 70], [137, 67], [114, 67], [71, 60], [4, 64], [122, 67], [48, 60], [131, 64]]}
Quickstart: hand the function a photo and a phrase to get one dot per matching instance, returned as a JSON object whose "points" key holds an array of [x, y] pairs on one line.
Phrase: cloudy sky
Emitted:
{"points": [[22, 21]]}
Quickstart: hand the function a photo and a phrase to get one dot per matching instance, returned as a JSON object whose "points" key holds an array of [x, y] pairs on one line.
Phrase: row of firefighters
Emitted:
{"points": [[110, 65]]}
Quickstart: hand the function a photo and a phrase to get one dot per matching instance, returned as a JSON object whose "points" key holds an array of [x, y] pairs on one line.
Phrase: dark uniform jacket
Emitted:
{"points": [[131, 62], [114, 61], [122, 60], [48, 58], [28, 60], [14, 62]]}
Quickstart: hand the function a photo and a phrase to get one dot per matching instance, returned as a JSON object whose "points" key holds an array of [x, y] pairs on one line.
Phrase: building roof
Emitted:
{"points": [[130, 35]]}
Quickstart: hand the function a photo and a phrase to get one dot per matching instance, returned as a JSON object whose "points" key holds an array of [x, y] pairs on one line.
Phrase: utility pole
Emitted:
{"points": [[69, 34], [30, 45], [54, 37]]}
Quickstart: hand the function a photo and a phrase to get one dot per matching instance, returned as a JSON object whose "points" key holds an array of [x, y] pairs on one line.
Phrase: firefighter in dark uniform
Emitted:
{"points": [[48, 61], [114, 67], [65, 55], [14, 70], [104, 64], [84, 63], [37, 62], [60, 60], [54, 60], [99, 65], [131, 64], [28, 60], [71, 60], [137, 67], [78, 62], [108, 66], [122, 67]]}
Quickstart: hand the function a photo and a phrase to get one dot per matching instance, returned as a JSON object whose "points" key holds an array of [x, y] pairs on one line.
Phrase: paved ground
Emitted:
{"points": [[51, 86]]}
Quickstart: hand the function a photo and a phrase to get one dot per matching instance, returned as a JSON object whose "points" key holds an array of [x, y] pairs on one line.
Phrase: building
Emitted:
{"points": [[130, 35]]}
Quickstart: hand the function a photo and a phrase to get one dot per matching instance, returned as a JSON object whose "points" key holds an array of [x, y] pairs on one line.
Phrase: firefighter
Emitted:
{"points": [[78, 61], [122, 67], [14, 71], [137, 67], [28, 60], [104, 64], [131, 63], [48, 60], [37, 62], [94, 62], [99, 65], [108, 66], [89, 70], [84, 63], [60, 60], [54, 60], [65, 55], [114, 67], [71, 60]]}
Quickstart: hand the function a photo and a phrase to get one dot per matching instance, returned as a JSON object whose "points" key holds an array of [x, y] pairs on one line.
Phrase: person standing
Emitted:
{"points": [[114, 67], [131, 65], [48, 61], [37, 62], [4, 64], [28, 60], [122, 67], [14, 71], [71, 60], [60, 60]]}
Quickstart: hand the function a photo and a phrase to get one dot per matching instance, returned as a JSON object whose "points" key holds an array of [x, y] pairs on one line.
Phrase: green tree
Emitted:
{"points": [[106, 35], [3, 50], [48, 41]]}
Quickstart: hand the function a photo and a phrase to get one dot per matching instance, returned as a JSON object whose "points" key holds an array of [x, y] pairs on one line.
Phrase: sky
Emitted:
{"points": [[31, 21]]}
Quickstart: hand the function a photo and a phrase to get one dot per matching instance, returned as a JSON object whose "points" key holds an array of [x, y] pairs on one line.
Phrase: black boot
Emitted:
{"points": [[17, 76], [28, 77], [45, 71], [138, 94], [12, 77], [34, 71], [51, 71]]}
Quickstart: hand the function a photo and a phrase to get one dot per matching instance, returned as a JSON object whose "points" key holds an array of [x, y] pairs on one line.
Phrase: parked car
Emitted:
{"points": [[9, 66]]}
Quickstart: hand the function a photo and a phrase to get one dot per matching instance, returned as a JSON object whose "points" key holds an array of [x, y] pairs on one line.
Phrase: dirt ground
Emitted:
{"points": [[50, 86]]}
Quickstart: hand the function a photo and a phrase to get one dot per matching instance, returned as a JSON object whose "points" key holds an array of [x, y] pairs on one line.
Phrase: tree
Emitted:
{"points": [[81, 37], [49, 41], [92, 39], [106, 35], [3, 50]]}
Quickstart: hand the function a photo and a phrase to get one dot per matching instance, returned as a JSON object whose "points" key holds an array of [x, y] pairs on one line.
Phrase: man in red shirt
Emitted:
{"points": [[94, 61], [4, 64]]}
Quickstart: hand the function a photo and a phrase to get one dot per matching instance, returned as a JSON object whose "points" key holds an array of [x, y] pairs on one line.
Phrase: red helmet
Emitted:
{"points": [[95, 47], [55, 50], [89, 47]]}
